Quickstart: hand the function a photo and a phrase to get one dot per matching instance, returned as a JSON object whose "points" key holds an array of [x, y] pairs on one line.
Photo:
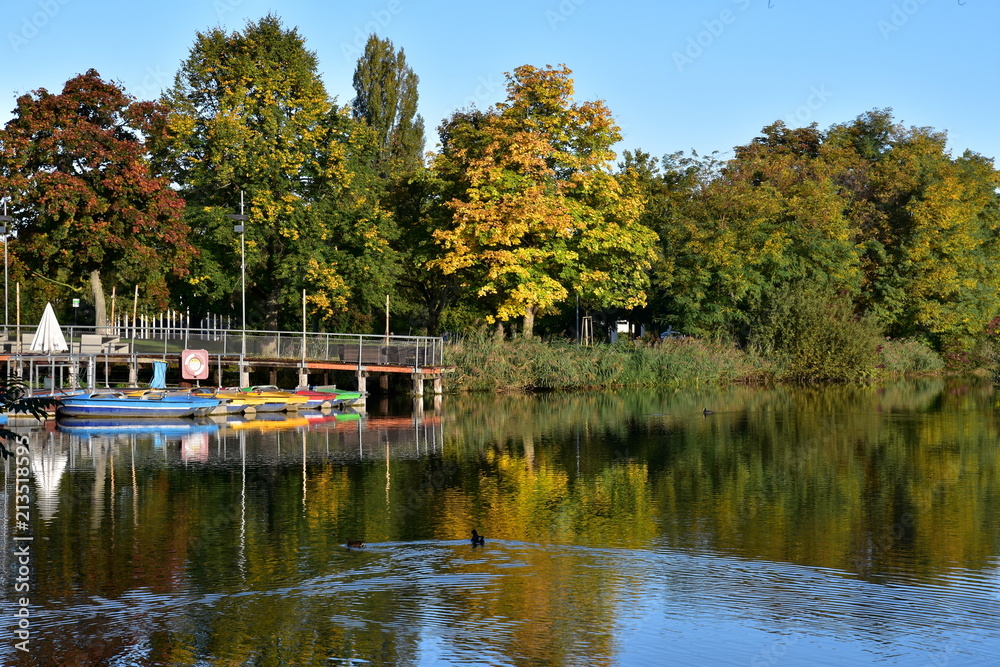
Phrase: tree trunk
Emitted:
{"points": [[100, 308], [529, 322]]}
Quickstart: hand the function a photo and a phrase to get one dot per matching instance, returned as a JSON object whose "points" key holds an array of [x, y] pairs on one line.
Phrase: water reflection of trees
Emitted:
{"points": [[863, 479], [870, 480]]}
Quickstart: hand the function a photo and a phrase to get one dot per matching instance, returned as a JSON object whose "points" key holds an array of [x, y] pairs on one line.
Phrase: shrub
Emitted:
{"points": [[906, 356], [813, 334]]}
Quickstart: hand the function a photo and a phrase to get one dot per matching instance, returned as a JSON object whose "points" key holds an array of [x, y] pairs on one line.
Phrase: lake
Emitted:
{"points": [[790, 526]]}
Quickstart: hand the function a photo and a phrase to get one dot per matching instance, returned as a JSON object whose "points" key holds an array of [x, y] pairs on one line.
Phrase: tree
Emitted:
{"points": [[250, 114], [537, 212], [735, 233], [929, 229], [867, 210], [86, 201], [386, 100]]}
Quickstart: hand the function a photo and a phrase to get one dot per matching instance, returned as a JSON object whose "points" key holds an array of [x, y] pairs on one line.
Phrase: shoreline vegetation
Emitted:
{"points": [[488, 363], [852, 253]]}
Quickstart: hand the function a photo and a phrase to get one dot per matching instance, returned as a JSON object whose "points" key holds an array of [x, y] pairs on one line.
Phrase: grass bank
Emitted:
{"points": [[488, 363]]}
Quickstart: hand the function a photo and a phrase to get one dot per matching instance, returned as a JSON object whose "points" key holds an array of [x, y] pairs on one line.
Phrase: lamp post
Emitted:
{"points": [[240, 228], [4, 221]]}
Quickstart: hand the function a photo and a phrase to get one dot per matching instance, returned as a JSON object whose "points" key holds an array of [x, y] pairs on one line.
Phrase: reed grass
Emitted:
{"points": [[488, 363]]}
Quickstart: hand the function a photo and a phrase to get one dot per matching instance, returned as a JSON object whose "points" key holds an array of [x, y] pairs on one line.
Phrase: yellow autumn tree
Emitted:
{"points": [[536, 214]]}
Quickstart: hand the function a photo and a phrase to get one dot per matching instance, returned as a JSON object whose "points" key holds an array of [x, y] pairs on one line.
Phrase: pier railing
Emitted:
{"points": [[360, 349]]}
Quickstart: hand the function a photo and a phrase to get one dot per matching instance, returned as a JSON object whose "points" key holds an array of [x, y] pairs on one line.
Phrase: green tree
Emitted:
{"points": [[86, 202], [928, 229], [869, 209], [735, 233], [538, 214], [386, 99], [250, 114]]}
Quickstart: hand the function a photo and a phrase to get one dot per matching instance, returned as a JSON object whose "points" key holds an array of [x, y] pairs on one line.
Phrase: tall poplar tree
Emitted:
{"points": [[386, 99]]}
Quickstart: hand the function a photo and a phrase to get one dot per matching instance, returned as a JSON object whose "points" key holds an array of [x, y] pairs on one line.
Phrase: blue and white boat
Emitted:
{"points": [[112, 404]]}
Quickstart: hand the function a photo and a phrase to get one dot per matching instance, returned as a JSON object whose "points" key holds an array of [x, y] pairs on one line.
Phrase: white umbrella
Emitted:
{"points": [[49, 337]]}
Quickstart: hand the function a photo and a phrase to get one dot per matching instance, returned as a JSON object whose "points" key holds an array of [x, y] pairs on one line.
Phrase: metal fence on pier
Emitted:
{"points": [[285, 346]]}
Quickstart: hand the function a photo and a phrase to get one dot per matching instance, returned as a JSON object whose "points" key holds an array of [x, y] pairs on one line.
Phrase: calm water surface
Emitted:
{"points": [[791, 526]]}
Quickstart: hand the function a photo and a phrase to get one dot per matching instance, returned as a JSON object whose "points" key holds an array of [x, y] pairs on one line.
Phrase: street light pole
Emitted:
{"points": [[240, 229], [5, 220]]}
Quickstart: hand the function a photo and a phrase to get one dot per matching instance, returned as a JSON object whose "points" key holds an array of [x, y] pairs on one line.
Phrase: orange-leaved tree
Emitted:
{"points": [[537, 214], [86, 201]]}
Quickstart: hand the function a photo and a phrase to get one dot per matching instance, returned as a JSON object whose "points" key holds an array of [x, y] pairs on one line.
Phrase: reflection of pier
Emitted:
{"points": [[336, 436], [121, 461], [387, 437]]}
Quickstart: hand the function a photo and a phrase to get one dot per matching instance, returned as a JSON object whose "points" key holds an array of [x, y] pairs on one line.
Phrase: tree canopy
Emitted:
{"points": [[249, 114], [539, 214], [85, 199], [386, 100], [519, 213]]}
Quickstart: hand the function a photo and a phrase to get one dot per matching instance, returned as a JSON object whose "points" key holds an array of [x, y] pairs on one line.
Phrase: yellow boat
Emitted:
{"points": [[292, 402], [242, 402]]}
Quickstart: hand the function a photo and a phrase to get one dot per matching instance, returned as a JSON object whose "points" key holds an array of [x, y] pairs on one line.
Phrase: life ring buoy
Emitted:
{"points": [[194, 364]]}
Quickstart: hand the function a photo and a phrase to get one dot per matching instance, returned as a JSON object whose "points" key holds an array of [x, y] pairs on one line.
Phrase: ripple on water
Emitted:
{"points": [[448, 591]]}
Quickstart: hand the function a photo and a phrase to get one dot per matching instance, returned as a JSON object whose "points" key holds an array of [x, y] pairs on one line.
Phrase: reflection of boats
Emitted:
{"points": [[160, 425], [313, 416], [116, 404], [272, 421]]}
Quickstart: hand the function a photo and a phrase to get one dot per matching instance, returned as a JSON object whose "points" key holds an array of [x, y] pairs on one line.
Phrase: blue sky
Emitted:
{"points": [[706, 75]]}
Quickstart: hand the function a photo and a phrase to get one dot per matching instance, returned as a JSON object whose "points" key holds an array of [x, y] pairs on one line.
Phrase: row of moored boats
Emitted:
{"points": [[154, 403]]}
